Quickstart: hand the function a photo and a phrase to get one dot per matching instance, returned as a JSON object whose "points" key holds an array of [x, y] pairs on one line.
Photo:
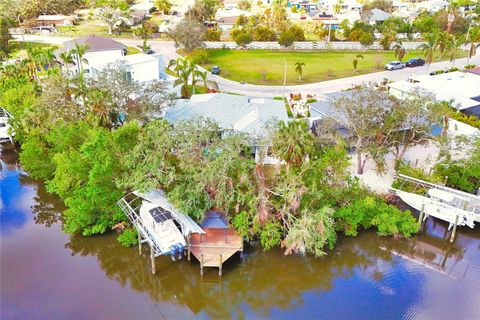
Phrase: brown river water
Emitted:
{"points": [[46, 274]]}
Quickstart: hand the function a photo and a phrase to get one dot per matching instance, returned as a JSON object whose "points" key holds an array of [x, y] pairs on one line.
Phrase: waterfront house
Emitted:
{"points": [[232, 112]]}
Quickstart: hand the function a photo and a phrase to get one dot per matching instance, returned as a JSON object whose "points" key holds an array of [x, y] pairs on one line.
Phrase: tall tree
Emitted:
{"points": [[188, 35], [364, 112], [5, 37], [164, 6], [112, 17]]}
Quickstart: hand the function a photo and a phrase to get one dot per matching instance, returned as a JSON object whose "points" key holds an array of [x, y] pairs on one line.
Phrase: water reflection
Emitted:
{"points": [[363, 277]]}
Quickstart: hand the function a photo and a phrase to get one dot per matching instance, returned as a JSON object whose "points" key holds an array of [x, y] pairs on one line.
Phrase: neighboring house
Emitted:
{"points": [[227, 17], [101, 51], [401, 9], [462, 88], [135, 17], [376, 16], [433, 5], [344, 6], [55, 20], [306, 5], [145, 6], [232, 112]]}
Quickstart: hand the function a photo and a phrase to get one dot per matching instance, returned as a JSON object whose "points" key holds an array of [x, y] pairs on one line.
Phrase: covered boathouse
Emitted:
{"points": [[168, 231]]}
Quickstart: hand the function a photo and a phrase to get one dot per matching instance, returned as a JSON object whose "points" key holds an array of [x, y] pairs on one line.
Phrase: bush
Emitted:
{"points": [[298, 32], [370, 211], [263, 33], [366, 39], [199, 56], [293, 9], [470, 66], [243, 38], [244, 5], [213, 34], [286, 39], [355, 35], [128, 238]]}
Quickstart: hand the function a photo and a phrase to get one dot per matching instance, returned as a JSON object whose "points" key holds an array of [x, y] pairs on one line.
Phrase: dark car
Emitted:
{"points": [[215, 70], [415, 62]]}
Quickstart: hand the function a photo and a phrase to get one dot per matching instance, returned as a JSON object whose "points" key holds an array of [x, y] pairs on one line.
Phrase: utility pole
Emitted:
{"points": [[284, 77]]}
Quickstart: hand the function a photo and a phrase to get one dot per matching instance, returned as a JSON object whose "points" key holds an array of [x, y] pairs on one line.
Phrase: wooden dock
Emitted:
{"points": [[214, 247]]}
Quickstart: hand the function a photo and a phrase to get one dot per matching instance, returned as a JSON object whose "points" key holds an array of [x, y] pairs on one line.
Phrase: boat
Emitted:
{"points": [[444, 203], [160, 224], [6, 131]]}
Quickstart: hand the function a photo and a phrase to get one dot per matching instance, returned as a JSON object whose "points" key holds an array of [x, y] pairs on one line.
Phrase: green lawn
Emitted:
{"points": [[267, 66], [19, 48]]}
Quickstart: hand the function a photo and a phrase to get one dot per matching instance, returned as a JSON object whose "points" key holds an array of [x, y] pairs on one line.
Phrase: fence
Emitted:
{"points": [[307, 45]]}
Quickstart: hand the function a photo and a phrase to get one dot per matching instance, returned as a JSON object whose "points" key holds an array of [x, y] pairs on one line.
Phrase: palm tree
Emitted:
{"points": [[399, 50], [355, 62], [33, 61], [454, 45], [203, 77], [292, 142], [184, 69], [299, 69], [77, 53], [143, 33], [428, 48], [473, 37], [443, 41], [66, 58]]}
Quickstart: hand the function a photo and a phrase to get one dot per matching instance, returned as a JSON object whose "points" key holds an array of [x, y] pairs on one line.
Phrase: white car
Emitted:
{"points": [[395, 65]]}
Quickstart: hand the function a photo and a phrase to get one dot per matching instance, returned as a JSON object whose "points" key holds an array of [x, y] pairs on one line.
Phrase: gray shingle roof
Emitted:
{"points": [[379, 15], [94, 43], [230, 111]]}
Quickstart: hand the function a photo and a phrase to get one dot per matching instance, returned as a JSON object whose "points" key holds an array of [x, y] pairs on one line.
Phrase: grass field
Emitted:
{"points": [[19, 48], [267, 66]]}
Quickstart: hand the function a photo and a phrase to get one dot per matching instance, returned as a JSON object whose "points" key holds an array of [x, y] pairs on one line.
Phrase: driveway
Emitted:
{"points": [[169, 51]]}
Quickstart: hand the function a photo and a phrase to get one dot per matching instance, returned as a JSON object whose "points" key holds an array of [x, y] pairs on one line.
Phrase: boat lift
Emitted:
{"points": [[6, 131], [168, 231], [453, 206]]}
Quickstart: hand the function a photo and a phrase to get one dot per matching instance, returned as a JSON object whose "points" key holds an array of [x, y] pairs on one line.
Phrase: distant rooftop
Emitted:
{"points": [[462, 87]]}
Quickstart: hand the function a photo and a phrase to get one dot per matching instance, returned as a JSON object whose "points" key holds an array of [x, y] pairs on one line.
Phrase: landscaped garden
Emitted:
{"points": [[267, 66]]}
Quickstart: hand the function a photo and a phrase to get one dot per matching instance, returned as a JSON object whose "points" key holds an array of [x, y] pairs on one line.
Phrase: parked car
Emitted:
{"points": [[215, 70], [394, 65], [150, 51], [415, 62]]}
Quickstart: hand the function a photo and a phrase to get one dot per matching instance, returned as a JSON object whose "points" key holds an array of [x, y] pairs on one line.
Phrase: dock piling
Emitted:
{"points": [[220, 266], [139, 243], [152, 260], [422, 212], [201, 265], [454, 231]]}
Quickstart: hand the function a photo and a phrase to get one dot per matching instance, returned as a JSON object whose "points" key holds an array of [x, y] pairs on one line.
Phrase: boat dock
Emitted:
{"points": [[168, 231], [216, 245], [456, 207]]}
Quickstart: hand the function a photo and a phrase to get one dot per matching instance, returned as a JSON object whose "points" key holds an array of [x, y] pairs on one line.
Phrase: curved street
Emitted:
{"points": [[253, 90]]}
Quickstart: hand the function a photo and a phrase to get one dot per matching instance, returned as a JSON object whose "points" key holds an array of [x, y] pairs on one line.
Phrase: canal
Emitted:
{"points": [[46, 274]]}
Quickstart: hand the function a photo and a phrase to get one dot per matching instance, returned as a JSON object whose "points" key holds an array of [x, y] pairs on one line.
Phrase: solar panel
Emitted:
{"points": [[160, 215]]}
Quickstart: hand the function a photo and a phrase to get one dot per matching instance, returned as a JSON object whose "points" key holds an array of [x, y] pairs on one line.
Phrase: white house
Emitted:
{"points": [[101, 51], [462, 88]]}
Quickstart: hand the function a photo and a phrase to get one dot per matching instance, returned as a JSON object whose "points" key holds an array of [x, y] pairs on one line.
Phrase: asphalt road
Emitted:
{"points": [[169, 51]]}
